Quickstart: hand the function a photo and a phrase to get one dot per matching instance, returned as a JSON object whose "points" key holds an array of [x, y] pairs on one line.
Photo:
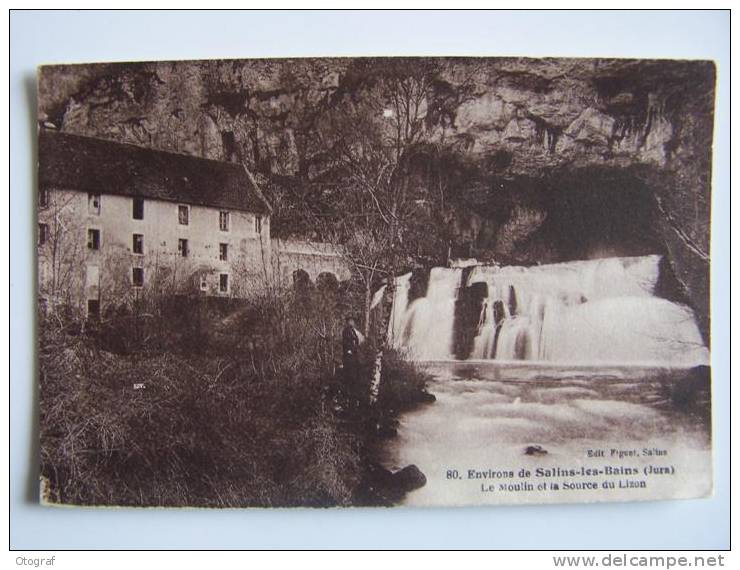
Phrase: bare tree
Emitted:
{"points": [[62, 253], [373, 138]]}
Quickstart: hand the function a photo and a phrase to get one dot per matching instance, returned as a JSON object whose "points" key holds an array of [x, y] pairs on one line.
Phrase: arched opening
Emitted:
{"points": [[301, 280], [327, 282]]}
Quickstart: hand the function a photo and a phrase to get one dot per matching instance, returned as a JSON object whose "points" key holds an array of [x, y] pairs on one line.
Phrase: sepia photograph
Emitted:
{"points": [[374, 281]]}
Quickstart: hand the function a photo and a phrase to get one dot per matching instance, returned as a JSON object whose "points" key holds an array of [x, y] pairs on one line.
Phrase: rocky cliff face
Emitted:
{"points": [[562, 158]]}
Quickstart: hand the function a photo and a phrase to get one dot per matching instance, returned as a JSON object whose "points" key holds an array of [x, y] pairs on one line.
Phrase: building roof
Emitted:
{"points": [[106, 167]]}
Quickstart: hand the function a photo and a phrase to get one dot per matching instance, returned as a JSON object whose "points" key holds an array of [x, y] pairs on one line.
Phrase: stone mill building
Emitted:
{"points": [[118, 222]]}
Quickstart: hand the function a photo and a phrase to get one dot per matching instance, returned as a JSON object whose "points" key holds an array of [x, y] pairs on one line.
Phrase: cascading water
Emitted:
{"points": [[594, 311], [424, 327]]}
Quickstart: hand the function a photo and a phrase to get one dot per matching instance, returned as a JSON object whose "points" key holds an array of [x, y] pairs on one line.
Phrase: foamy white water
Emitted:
{"points": [[487, 414], [424, 327], [594, 311]]}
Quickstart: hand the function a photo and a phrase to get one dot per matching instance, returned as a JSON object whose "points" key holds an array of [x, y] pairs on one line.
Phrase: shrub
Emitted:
{"points": [[239, 427], [402, 384], [206, 403]]}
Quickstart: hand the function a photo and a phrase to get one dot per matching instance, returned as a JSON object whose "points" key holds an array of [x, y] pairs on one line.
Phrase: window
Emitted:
{"points": [[138, 209], [137, 276], [223, 282], [204, 282], [138, 245], [182, 247], [93, 309], [92, 281], [223, 221], [93, 203], [93, 239], [183, 215], [258, 224], [43, 197], [223, 251], [43, 233]]}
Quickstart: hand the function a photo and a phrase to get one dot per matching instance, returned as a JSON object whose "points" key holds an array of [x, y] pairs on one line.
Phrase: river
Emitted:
{"points": [[609, 433]]}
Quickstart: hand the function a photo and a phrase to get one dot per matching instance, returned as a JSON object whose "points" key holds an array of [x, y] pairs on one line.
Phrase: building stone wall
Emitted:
{"points": [[314, 258], [72, 273]]}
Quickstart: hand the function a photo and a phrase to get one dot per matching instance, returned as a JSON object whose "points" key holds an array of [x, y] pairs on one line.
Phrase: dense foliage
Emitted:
{"points": [[260, 421]]}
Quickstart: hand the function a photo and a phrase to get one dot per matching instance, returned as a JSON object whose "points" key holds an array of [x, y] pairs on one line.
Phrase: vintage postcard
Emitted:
{"points": [[374, 281]]}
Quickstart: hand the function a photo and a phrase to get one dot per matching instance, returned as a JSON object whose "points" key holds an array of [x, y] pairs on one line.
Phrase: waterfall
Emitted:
{"points": [[399, 307], [423, 328], [601, 310]]}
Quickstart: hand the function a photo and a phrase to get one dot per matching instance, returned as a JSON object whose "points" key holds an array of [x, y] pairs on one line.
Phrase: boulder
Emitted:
{"points": [[537, 450], [427, 398], [409, 478], [384, 487]]}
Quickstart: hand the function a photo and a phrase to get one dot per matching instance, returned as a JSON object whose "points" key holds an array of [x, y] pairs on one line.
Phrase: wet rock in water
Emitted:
{"points": [[499, 314], [409, 478], [427, 398], [385, 487], [418, 283], [535, 450], [512, 301]]}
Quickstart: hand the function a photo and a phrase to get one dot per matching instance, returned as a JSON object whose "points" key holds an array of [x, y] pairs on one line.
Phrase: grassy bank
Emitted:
{"points": [[193, 402]]}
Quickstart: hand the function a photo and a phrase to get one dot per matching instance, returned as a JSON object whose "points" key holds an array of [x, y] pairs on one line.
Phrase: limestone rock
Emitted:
{"points": [[484, 113], [519, 131], [512, 120], [592, 128]]}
